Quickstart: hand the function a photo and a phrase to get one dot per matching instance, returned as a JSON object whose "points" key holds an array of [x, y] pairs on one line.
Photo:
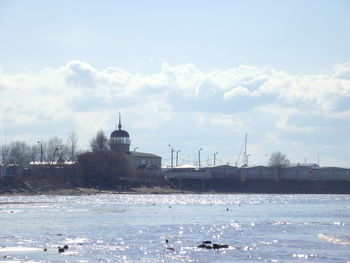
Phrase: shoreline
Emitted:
{"points": [[82, 191], [31, 188], [155, 190]]}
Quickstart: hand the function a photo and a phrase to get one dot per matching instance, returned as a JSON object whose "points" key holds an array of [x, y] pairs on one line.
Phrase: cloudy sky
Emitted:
{"points": [[187, 73]]}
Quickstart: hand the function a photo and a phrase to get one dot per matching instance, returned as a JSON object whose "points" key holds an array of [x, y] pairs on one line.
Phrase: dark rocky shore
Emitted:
{"points": [[23, 187]]}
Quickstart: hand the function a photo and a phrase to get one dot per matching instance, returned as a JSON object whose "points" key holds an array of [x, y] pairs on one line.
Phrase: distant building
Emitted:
{"points": [[258, 172], [306, 165], [297, 172], [187, 172], [58, 163], [223, 171], [120, 142], [146, 160]]}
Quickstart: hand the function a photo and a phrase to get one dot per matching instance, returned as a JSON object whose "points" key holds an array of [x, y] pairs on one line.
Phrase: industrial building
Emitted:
{"points": [[299, 173]]}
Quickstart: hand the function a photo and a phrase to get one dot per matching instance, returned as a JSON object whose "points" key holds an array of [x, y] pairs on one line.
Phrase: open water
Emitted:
{"points": [[134, 228]]}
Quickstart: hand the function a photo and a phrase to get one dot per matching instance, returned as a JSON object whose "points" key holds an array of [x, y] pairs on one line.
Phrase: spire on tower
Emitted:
{"points": [[120, 124]]}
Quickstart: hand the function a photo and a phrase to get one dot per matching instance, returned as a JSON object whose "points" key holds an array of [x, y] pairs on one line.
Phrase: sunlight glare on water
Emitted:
{"points": [[169, 228]]}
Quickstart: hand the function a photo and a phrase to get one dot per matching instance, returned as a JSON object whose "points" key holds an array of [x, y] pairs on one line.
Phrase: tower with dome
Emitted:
{"points": [[120, 143], [120, 140]]}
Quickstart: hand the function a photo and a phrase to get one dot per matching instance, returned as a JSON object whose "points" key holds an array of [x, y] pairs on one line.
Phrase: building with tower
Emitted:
{"points": [[120, 140], [143, 162]]}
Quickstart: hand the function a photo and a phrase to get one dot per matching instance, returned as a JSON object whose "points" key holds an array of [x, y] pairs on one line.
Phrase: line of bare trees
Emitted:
{"points": [[51, 151]]}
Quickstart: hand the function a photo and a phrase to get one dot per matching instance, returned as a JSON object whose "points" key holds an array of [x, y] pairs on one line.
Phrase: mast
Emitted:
{"points": [[120, 122], [245, 150]]}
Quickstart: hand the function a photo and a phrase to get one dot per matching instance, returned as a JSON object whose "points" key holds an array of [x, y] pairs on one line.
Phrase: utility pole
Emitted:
{"points": [[177, 157], [172, 154], [199, 157], [215, 158]]}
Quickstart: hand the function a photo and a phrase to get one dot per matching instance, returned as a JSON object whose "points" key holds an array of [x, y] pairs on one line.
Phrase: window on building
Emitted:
{"points": [[121, 140]]}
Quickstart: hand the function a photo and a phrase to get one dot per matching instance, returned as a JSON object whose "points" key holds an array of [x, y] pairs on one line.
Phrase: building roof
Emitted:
{"points": [[141, 154], [222, 166], [310, 165], [120, 133], [257, 167], [36, 163], [186, 166]]}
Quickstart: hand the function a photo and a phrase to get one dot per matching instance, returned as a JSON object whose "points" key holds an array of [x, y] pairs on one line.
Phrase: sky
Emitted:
{"points": [[190, 74]]}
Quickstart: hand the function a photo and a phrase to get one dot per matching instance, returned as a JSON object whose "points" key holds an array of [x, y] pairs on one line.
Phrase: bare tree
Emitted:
{"points": [[56, 150], [72, 144], [35, 153], [5, 155], [99, 142], [278, 159], [19, 153]]}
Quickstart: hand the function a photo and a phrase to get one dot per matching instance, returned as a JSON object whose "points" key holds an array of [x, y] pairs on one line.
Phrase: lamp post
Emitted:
{"points": [[215, 158], [172, 154], [41, 152], [177, 157], [199, 157]]}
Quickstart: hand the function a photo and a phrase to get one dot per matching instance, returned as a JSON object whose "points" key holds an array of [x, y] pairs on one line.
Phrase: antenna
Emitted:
{"points": [[120, 122], [239, 155], [245, 155], [245, 150]]}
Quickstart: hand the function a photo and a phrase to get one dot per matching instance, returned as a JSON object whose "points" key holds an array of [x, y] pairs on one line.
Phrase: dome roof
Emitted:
{"points": [[120, 133]]}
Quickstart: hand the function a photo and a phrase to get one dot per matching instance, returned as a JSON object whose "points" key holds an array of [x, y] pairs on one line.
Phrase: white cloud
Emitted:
{"points": [[241, 98], [342, 71], [283, 114], [239, 91], [227, 121]]}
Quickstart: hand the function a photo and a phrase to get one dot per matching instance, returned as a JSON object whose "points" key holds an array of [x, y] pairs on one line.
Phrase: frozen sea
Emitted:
{"points": [[134, 228]]}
